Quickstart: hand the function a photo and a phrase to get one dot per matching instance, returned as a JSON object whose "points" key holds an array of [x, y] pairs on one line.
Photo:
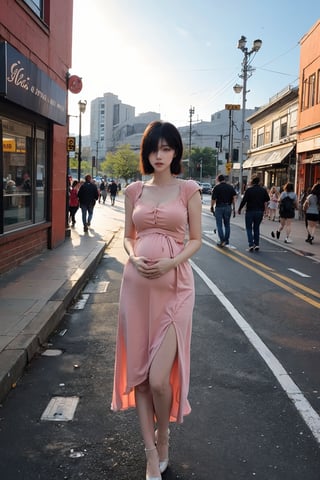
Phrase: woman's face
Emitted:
{"points": [[162, 158]]}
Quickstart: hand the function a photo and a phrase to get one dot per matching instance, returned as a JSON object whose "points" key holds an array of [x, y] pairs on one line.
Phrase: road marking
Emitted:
{"points": [[96, 287], [246, 263], [299, 273], [309, 415]]}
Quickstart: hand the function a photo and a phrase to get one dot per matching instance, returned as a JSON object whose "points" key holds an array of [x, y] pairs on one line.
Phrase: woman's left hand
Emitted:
{"points": [[158, 268]]}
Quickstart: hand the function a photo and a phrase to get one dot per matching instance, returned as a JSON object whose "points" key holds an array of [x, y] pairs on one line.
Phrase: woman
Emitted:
{"points": [[73, 201], [157, 293], [288, 203], [311, 209], [273, 204]]}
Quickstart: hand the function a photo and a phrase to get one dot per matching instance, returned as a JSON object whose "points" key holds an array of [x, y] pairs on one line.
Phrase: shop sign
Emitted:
{"points": [[9, 145], [22, 82]]}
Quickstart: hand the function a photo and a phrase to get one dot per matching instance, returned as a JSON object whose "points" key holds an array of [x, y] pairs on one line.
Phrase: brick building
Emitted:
{"points": [[308, 142], [35, 56]]}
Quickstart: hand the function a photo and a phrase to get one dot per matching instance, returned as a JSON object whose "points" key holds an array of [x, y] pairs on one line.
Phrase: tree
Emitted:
{"points": [[124, 163], [206, 156]]}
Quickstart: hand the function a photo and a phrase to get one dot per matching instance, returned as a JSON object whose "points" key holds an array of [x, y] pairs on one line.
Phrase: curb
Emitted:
{"points": [[17, 355]]}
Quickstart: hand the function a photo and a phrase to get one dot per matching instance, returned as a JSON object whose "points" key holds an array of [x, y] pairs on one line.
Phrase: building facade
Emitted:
{"points": [[308, 141], [107, 115], [35, 56], [272, 152]]}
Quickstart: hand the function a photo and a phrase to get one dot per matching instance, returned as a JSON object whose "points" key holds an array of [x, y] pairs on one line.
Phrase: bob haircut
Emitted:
{"points": [[155, 132]]}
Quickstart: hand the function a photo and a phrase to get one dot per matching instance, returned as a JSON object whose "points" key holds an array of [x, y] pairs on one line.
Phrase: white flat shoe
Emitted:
{"points": [[163, 464], [148, 477]]}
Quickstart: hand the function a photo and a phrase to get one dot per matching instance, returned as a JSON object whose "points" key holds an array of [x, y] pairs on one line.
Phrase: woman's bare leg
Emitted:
{"points": [[145, 410], [159, 379]]}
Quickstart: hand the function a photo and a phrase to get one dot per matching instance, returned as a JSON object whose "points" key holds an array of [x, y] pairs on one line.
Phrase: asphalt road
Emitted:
{"points": [[251, 312]]}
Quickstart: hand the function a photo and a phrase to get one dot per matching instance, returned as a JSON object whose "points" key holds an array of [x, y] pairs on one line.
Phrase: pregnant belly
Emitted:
{"points": [[156, 246]]}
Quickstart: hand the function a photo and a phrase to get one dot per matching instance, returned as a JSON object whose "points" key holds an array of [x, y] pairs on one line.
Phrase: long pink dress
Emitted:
{"points": [[149, 306]]}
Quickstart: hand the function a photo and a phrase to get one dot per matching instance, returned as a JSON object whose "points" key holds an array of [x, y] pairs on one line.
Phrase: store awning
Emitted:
{"points": [[268, 158]]}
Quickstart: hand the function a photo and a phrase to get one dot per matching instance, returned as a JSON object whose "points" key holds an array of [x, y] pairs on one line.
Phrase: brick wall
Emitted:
{"points": [[20, 247]]}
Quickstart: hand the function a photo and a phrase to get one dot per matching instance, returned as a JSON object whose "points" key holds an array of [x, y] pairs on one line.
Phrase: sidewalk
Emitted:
{"points": [[35, 296]]}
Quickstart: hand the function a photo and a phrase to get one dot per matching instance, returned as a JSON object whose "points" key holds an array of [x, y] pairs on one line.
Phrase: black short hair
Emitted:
{"points": [[255, 180], [221, 178], [154, 132]]}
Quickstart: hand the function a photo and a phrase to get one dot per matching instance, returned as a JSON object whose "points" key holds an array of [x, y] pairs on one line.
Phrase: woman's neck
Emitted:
{"points": [[163, 180]]}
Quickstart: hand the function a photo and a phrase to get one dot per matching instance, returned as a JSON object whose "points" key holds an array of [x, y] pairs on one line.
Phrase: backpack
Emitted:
{"points": [[286, 207]]}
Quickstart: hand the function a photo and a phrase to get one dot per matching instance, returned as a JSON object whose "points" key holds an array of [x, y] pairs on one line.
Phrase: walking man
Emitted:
{"points": [[88, 194], [223, 198], [256, 199], [113, 189]]}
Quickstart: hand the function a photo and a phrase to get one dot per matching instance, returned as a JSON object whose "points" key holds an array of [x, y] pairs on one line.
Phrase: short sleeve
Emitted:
{"points": [[189, 188], [133, 191]]}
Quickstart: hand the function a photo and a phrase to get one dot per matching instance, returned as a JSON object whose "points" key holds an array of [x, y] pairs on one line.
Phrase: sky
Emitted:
{"points": [[167, 56]]}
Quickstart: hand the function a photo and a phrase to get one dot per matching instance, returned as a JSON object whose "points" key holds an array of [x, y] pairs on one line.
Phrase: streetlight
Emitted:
{"points": [[246, 73], [191, 112], [82, 108]]}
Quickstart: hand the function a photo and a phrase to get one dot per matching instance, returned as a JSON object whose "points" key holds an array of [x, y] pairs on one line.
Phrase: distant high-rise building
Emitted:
{"points": [[108, 113]]}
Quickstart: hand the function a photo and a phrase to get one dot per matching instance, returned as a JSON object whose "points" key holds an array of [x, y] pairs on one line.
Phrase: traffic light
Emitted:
{"points": [[71, 144]]}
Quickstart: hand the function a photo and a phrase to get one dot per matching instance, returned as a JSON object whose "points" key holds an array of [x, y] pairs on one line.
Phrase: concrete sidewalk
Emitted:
{"points": [[35, 296]]}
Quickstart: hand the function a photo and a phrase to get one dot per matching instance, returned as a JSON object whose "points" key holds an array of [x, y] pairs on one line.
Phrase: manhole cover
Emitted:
{"points": [[60, 409]]}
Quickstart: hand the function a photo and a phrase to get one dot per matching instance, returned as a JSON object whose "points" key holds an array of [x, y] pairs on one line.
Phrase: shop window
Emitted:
{"points": [[24, 174]]}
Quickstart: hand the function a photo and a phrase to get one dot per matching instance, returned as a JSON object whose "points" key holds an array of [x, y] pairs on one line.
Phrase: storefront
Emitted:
{"points": [[31, 105], [276, 166]]}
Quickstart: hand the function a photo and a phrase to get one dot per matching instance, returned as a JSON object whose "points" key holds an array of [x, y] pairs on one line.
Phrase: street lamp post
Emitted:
{"points": [[246, 73], [82, 108], [191, 112]]}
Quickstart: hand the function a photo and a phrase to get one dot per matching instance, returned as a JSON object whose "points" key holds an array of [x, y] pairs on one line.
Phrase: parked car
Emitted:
{"points": [[206, 187]]}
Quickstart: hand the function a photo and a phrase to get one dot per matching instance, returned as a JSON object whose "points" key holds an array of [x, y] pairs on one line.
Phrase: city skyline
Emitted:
{"points": [[166, 58]]}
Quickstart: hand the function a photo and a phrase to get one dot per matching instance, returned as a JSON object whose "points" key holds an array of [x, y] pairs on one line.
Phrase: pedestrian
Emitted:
{"points": [[152, 361], [288, 203], [223, 198], [273, 204], [103, 191], [73, 201], [256, 199], [88, 195], [311, 208], [113, 189]]}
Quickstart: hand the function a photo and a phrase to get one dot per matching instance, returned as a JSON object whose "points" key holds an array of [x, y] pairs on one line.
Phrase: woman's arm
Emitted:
{"points": [[195, 231], [129, 229]]}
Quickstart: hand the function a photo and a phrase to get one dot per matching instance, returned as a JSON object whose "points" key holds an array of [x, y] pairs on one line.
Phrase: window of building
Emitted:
{"points": [[275, 136], [36, 6], [24, 166], [304, 100], [40, 8], [260, 137], [318, 86], [283, 127], [312, 90]]}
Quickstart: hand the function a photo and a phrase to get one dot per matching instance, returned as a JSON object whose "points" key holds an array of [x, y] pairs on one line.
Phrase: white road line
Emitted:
{"points": [[304, 408], [299, 273]]}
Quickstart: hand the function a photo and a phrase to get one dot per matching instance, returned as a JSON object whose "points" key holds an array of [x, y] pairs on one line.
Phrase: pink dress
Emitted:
{"points": [[149, 307]]}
